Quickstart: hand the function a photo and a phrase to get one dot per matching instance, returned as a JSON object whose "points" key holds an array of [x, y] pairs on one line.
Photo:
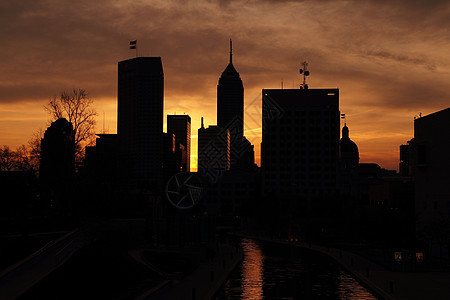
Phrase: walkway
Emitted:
{"points": [[203, 282], [17, 279]]}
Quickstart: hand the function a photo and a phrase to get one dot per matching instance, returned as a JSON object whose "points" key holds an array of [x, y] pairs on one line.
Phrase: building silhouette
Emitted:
{"points": [[101, 160], [236, 194], [180, 125], [57, 163], [230, 109], [407, 156], [173, 153], [58, 151], [431, 174], [300, 145], [140, 122], [348, 164], [348, 150], [100, 172], [213, 151]]}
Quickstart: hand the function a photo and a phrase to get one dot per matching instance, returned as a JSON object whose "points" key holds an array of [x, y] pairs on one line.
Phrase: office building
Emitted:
{"points": [[431, 174], [300, 145], [101, 159], [180, 125], [407, 156], [230, 109], [213, 152], [140, 123]]}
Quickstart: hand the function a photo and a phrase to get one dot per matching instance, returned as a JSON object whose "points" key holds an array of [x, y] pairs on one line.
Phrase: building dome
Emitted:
{"points": [[348, 151]]}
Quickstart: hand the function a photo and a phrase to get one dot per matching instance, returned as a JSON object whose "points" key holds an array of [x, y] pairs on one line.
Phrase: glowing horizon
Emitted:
{"points": [[390, 67]]}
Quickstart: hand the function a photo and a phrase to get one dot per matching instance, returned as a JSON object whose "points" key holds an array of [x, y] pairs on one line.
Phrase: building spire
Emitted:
{"points": [[231, 52]]}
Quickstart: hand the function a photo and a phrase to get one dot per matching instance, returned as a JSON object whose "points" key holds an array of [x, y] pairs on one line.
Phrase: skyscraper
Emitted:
{"points": [[431, 170], [180, 125], [213, 151], [230, 107], [140, 122], [300, 144]]}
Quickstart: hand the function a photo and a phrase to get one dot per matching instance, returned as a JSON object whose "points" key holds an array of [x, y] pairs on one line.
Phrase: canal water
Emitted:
{"points": [[273, 271]]}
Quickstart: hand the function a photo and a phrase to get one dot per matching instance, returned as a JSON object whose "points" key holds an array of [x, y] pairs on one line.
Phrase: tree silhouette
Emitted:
{"points": [[77, 107], [26, 159], [7, 159], [22, 159]]}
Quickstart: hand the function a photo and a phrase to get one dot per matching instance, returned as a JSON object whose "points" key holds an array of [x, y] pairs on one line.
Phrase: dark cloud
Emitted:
{"points": [[385, 48], [418, 3], [401, 58]]}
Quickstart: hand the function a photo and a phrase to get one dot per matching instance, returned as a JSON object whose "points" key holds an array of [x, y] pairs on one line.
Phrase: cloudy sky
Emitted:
{"points": [[390, 59]]}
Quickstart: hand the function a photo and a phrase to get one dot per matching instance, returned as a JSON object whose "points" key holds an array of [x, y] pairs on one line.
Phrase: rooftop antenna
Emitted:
{"points": [[202, 124], [103, 122], [305, 73], [231, 52]]}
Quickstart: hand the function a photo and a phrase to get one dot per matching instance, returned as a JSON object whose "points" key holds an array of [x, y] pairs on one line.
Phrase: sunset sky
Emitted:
{"points": [[390, 59]]}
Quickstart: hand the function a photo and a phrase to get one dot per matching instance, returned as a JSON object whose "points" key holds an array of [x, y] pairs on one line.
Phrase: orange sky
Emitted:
{"points": [[388, 58]]}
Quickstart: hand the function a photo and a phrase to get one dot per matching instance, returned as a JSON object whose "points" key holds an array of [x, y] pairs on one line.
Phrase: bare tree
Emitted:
{"points": [[34, 144], [77, 107], [7, 159], [26, 160], [23, 159]]}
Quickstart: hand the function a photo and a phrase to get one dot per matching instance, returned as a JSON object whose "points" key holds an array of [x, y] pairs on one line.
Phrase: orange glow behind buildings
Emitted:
{"points": [[391, 67]]}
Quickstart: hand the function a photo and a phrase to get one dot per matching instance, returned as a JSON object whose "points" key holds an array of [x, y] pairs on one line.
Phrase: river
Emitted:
{"points": [[274, 271]]}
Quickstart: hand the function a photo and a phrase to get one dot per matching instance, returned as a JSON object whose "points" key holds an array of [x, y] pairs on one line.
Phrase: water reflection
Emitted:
{"points": [[270, 271], [350, 289], [252, 271]]}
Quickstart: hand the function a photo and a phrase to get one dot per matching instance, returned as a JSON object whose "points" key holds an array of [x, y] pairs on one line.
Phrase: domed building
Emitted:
{"points": [[348, 151]]}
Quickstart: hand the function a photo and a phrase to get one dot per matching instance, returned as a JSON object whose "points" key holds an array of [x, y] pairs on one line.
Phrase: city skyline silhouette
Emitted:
{"points": [[225, 150], [251, 114], [389, 71]]}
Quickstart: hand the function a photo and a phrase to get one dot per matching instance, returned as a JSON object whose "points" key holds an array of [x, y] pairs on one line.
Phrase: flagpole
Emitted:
{"points": [[345, 120], [133, 45]]}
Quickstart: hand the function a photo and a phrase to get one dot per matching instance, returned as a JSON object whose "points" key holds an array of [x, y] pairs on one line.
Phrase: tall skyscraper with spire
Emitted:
{"points": [[230, 115], [230, 101]]}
